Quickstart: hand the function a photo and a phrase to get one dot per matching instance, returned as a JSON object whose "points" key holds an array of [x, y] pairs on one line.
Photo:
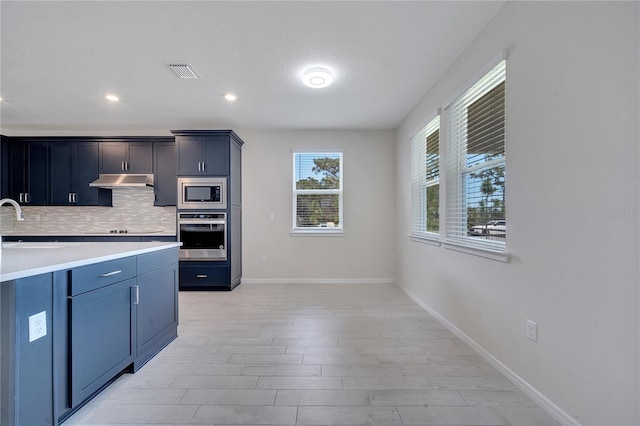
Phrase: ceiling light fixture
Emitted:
{"points": [[112, 98], [317, 78], [230, 97]]}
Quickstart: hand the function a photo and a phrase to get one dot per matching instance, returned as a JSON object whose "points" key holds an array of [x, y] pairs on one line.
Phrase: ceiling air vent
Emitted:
{"points": [[183, 70]]}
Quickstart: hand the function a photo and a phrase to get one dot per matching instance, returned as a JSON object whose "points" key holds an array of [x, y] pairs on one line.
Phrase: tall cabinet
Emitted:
{"points": [[216, 153]]}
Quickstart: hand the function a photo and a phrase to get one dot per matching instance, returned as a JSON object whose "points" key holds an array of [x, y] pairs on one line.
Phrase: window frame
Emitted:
{"points": [[420, 180], [322, 231], [455, 170]]}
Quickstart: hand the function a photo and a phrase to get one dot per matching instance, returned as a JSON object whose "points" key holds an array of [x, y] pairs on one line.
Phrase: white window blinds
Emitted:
{"points": [[317, 191], [475, 190], [425, 180]]}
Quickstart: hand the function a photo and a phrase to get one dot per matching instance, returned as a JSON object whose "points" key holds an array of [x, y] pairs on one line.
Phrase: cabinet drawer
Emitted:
{"points": [[91, 277], [150, 261], [201, 275]]}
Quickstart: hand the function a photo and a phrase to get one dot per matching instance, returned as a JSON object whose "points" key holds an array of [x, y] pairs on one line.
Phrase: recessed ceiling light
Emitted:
{"points": [[230, 97], [317, 78], [112, 98]]}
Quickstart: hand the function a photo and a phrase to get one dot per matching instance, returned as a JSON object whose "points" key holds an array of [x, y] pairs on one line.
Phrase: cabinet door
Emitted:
{"points": [[4, 166], [140, 158], [61, 177], [102, 337], [165, 181], [112, 157], [216, 158], [189, 155], [38, 173], [157, 311], [86, 171], [16, 171]]}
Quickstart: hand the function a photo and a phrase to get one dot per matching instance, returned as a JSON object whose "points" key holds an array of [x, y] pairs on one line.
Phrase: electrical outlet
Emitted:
{"points": [[532, 330], [37, 326], [263, 257], [37, 218], [272, 217]]}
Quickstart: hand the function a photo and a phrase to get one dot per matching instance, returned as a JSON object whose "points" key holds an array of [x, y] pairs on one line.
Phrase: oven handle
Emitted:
{"points": [[202, 222]]}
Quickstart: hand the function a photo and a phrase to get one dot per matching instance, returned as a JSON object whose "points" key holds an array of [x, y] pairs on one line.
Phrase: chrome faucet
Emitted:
{"points": [[16, 206]]}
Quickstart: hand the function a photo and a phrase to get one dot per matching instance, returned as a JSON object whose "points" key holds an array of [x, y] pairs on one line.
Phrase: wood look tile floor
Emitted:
{"points": [[311, 355]]}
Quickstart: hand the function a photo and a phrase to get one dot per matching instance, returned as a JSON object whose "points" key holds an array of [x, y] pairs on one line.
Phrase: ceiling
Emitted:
{"points": [[60, 58]]}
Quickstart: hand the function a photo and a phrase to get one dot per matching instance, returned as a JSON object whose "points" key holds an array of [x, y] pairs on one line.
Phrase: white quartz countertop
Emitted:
{"points": [[20, 260]]}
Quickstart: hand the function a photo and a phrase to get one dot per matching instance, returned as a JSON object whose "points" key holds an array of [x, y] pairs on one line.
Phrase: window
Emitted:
{"points": [[475, 165], [425, 181], [317, 192]]}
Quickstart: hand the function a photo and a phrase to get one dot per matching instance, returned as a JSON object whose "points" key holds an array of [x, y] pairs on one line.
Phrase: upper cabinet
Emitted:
{"points": [[73, 166], [26, 172], [126, 157], [203, 153], [164, 171]]}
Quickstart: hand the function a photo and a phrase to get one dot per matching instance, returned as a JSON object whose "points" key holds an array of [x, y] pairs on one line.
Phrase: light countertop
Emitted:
{"points": [[91, 234], [20, 260]]}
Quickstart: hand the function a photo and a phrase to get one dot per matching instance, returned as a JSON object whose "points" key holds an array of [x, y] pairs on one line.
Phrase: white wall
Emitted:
{"points": [[572, 209], [365, 252]]}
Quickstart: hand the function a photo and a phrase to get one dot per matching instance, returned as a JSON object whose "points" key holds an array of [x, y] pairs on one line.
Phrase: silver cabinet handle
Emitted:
{"points": [[204, 166], [26, 198], [109, 274], [20, 197], [74, 197], [136, 296], [201, 276], [69, 198]]}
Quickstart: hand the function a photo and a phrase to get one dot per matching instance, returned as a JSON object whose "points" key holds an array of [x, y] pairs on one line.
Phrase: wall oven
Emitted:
{"points": [[203, 235], [202, 193]]}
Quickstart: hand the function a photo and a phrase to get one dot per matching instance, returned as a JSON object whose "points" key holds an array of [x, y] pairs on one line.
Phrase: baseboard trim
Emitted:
{"points": [[544, 402], [318, 281]]}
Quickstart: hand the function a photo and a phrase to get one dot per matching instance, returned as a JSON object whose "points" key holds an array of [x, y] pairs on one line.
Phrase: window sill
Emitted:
{"points": [[433, 240], [324, 232], [501, 256]]}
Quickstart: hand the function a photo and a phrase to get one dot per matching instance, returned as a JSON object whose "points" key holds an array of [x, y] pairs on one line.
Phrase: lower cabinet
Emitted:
{"points": [[101, 320], [27, 387], [157, 309], [102, 327], [195, 275]]}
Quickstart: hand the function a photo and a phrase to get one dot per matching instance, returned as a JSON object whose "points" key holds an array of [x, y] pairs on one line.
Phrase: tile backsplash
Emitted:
{"points": [[132, 210]]}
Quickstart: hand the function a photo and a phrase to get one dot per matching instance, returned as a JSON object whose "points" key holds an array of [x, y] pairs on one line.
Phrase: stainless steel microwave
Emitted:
{"points": [[202, 193]]}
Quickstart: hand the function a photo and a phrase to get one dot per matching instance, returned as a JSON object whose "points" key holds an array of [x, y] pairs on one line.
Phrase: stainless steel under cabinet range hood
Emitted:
{"points": [[122, 181]]}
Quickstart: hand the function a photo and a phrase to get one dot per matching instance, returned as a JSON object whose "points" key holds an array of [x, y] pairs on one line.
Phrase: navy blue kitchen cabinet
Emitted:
{"points": [[157, 304], [102, 337], [203, 153], [102, 319], [164, 171], [102, 324], [73, 166], [28, 172], [27, 371], [197, 275], [135, 157], [4, 166]]}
